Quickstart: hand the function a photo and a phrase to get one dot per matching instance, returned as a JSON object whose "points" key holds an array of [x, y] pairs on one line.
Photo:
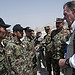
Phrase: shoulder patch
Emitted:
{"points": [[65, 32], [8, 53]]}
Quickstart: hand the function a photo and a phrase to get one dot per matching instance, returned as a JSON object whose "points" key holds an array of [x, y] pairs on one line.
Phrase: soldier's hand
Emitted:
{"points": [[30, 65], [36, 48], [62, 63]]}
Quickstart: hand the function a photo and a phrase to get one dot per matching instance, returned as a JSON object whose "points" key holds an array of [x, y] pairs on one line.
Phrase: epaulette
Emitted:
{"points": [[18, 53], [17, 46]]}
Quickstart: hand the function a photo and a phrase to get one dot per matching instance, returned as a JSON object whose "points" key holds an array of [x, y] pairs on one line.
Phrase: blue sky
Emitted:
{"points": [[33, 13]]}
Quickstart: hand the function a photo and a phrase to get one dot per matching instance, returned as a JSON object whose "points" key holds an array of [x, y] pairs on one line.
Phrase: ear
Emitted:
{"points": [[63, 23], [15, 33], [0, 28], [73, 10]]}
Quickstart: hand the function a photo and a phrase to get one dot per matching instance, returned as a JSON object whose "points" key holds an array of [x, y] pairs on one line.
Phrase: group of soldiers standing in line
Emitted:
{"points": [[17, 57], [22, 57]]}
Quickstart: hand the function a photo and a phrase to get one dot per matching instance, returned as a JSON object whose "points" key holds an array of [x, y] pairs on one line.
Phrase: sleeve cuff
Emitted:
{"points": [[72, 61], [67, 62]]}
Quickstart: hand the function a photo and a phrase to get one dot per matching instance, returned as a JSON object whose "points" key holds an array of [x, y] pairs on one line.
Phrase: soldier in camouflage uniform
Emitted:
{"points": [[4, 65], [59, 37], [48, 52], [33, 34], [16, 53], [7, 38], [30, 52]]}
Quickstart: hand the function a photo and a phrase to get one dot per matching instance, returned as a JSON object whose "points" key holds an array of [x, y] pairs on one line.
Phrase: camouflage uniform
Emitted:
{"points": [[7, 38], [48, 52], [30, 56], [17, 57], [59, 39], [47, 44], [4, 65], [5, 41], [4, 68]]}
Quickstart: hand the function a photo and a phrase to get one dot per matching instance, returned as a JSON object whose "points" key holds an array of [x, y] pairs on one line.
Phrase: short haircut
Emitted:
{"points": [[70, 5]]}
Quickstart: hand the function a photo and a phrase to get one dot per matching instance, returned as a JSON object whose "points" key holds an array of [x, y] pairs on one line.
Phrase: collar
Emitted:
{"points": [[15, 41], [73, 25]]}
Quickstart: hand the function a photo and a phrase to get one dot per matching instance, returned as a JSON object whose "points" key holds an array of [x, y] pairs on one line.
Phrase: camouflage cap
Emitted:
{"points": [[47, 27], [59, 20]]}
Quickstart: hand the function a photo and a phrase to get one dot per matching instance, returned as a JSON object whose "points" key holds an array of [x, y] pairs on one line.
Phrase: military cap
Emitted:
{"points": [[9, 30], [59, 20], [47, 27], [2, 23], [38, 31], [18, 27], [28, 29]]}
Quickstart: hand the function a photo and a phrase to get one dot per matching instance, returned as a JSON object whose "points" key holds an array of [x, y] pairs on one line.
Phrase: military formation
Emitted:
{"points": [[23, 55]]}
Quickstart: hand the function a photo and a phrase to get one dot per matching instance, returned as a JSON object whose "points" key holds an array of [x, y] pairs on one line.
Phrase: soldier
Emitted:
{"points": [[30, 52], [33, 34], [69, 61], [39, 52], [28, 32], [9, 34], [59, 37], [16, 52], [48, 52], [4, 65], [7, 38], [46, 43]]}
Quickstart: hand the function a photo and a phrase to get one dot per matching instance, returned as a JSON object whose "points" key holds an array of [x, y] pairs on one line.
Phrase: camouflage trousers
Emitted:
{"points": [[23, 71], [56, 68], [32, 71], [48, 63], [4, 72]]}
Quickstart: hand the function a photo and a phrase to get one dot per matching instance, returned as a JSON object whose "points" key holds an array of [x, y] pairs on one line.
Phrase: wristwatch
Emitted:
{"points": [[67, 62]]}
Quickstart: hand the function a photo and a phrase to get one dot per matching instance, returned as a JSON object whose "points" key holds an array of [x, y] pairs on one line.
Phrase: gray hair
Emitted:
{"points": [[70, 5]]}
